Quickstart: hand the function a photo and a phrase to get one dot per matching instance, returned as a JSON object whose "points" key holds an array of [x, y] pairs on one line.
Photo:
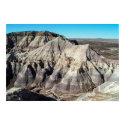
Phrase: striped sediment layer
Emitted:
{"points": [[59, 66]]}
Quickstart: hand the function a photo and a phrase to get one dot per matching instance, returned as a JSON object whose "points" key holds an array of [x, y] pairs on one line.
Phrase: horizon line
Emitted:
{"points": [[59, 34]]}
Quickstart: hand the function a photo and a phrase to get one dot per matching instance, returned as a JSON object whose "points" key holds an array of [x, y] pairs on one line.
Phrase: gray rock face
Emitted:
{"points": [[25, 77], [53, 63]]}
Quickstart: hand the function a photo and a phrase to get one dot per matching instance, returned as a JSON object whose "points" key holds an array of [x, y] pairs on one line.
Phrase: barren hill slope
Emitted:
{"points": [[49, 64]]}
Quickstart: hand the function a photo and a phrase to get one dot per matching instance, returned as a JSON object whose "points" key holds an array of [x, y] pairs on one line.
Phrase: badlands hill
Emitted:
{"points": [[49, 64]]}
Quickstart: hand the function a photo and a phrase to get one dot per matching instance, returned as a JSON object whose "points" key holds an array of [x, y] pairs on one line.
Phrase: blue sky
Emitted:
{"points": [[110, 31]]}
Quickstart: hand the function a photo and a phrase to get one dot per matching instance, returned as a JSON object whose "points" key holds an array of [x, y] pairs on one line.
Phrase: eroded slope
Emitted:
{"points": [[58, 67]]}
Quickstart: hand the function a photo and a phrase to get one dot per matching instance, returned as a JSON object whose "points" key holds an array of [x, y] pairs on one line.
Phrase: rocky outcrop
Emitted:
{"points": [[108, 91], [53, 64], [28, 40], [19, 94]]}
